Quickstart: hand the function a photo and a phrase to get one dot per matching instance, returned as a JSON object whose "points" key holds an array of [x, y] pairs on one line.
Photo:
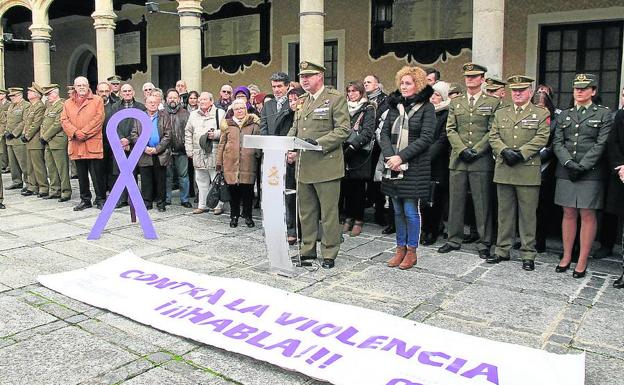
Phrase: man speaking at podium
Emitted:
{"points": [[322, 119]]}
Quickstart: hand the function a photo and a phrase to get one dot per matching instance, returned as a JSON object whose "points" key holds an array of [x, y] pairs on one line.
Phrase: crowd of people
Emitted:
{"points": [[430, 157]]}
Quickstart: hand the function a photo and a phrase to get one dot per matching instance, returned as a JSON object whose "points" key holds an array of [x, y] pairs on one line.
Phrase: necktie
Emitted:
{"points": [[472, 101], [581, 110], [518, 110], [279, 103]]}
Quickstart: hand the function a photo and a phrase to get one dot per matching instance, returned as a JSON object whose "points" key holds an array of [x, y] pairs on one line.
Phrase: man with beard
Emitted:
{"points": [[178, 116], [124, 129], [103, 90]]}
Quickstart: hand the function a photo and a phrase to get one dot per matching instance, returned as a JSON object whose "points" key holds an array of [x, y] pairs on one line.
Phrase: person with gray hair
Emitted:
{"points": [[147, 88], [201, 136]]}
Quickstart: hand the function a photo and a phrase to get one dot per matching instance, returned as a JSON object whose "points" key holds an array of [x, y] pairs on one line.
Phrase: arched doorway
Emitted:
{"points": [[83, 63]]}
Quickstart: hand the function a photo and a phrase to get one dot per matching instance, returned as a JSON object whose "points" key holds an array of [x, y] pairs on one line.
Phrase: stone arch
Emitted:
{"points": [[83, 62], [8, 4]]}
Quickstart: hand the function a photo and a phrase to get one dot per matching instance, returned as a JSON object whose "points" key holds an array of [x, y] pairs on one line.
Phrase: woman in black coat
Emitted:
{"points": [[439, 153], [615, 189], [357, 152], [405, 139]]}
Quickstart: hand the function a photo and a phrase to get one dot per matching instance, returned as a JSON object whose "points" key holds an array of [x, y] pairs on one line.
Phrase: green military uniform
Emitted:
{"points": [[4, 155], [467, 128], [523, 129], [16, 148], [492, 85], [580, 140], [324, 119], [56, 158], [37, 173]]}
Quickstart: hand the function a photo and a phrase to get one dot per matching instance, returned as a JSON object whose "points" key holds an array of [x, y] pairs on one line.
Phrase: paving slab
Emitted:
{"points": [[56, 231], [20, 267], [64, 357], [599, 331], [18, 316]]}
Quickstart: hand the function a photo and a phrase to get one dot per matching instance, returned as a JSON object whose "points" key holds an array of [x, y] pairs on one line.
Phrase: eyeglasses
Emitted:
{"points": [[226, 92], [148, 89]]}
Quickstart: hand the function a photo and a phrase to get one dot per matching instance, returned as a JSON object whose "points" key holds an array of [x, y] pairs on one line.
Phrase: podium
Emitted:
{"points": [[274, 191]]}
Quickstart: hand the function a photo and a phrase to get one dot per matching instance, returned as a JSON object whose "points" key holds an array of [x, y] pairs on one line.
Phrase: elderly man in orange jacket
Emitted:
{"points": [[82, 118]]}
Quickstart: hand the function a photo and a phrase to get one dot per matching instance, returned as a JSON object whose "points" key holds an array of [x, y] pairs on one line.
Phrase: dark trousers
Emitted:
{"points": [[548, 214], [191, 177], [354, 195], [608, 230], [153, 182], [432, 215], [238, 193], [95, 168], [291, 201]]}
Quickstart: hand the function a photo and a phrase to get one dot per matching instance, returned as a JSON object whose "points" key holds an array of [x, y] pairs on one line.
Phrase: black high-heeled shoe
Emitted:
{"points": [[579, 274], [562, 269], [619, 283]]}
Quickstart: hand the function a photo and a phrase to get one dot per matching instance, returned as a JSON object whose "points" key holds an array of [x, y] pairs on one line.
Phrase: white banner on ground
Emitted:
{"points": [[342, 344]]}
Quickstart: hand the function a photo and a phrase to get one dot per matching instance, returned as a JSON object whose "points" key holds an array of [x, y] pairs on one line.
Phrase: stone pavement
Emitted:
{"points": [[47, 338]]}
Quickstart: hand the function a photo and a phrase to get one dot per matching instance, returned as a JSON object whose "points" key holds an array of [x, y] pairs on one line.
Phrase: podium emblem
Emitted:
{"points": [[273, 177]]}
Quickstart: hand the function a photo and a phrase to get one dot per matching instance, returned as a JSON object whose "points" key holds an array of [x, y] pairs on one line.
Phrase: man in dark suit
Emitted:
{"points": [[275, 109]]}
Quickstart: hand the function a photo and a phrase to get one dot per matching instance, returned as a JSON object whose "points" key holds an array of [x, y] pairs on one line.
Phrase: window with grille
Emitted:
{"points": [[582, 48], [330, 63]]}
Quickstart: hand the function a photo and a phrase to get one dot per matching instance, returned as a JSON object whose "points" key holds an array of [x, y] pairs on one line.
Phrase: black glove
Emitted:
{"points": [[42, 141], [311, 141], [348, 149], [23, 139], [469, 155], [511, 157], [9, 135], [575, 170], [545, 154]]}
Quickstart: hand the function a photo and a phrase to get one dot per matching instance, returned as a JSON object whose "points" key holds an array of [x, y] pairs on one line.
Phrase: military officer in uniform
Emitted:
{"points": [[580, 141], [16, 148], [115, 84], [54, 139], [495, 87], [518, 133], [4, 156], [471, 164], [323, 119], [37, 174]]}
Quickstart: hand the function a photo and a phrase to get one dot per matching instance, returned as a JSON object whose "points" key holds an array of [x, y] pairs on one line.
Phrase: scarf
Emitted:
{"points": [[355, 106], [374, 95], [443, 105], [399, 134]]}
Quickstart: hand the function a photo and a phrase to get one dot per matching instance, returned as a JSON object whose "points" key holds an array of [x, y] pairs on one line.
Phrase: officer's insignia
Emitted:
{"points": [[534, 116], [326, 102], [581, 77], [469, 67], [567, 118], [516, 79], [303, 65], [273, 177], [490, 82]]}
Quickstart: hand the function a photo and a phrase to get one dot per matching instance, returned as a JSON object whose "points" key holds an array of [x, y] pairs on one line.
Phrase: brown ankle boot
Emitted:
{"points": [[357, 228], [410, 259], [399, 254]]}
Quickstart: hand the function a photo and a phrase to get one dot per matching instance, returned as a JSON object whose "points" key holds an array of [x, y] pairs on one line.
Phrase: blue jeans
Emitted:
{"points": [[180, 162], [407, 221]]}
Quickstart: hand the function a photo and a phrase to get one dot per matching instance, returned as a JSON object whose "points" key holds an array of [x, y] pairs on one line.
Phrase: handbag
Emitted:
{"points": [[218, 191], [355, 133]]}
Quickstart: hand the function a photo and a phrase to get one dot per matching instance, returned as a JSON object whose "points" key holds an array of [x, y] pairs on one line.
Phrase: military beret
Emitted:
{"points": [[35, 88], [585, 80], [471, 69], [493, 84], [308, 68], [15, 91], [519, 82], [115, 79], [49, 88]]}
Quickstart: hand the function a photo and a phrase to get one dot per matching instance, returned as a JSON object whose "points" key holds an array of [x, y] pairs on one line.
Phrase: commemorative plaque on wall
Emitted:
{"points": [[130, 48]]}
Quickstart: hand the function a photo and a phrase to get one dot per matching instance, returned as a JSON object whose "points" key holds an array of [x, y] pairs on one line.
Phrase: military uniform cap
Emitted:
{"points": [[493, 84], [585, 80], [519, 82], [471, 69], [308, 68], [455, 89], [49, 88], [15, 91], [36, 88], [115, 79], [3, 91]]}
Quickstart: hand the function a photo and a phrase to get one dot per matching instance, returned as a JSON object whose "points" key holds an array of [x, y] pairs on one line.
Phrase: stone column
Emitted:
{"points": [[104, 24], [190, 43], [312, 31], [488, 22], [40, 35]]}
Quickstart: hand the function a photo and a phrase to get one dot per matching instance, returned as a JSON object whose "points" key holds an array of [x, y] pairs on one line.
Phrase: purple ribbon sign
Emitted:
{"points": [[126, 179]]}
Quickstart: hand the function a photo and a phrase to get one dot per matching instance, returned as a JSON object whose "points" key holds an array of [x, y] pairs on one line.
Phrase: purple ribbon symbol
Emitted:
{"points": [[126, 179]]}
